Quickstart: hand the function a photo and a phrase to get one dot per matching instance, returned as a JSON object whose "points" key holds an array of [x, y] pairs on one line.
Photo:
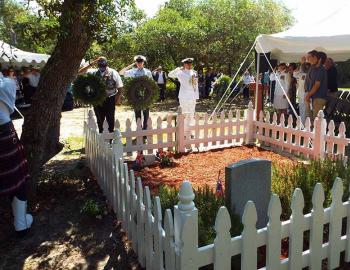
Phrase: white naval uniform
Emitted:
{"points": [[280, 102], [188, 93]]}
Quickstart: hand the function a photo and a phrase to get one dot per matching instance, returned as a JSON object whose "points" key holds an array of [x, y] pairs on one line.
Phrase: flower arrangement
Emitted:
{"points": [[166, 159], [219, 192], [139, 162]]}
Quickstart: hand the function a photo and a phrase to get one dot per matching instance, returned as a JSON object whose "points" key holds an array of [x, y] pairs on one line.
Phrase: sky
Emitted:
{"points": [[300, 8]]}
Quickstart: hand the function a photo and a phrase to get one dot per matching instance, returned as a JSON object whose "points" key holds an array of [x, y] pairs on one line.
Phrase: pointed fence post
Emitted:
{"points": [[274, 234], [222, 242], [320, 131], [249, 126], [296, 231], [180, 132], [249, 255], [117, 145], [316, 232], [186, 229], [91, 120]]}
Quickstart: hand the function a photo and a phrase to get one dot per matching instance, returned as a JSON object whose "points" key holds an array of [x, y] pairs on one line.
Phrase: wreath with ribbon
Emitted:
{"points": [[89, 89], [141, 92]]}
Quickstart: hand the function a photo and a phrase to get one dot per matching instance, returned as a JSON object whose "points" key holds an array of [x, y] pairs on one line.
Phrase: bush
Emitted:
{"points": [[285, 180], [208, 205], [305, 176], [92, 208]]}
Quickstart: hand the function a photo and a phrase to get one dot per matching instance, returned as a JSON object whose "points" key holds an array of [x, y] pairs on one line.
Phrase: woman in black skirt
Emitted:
{"points": [[13, 164]]}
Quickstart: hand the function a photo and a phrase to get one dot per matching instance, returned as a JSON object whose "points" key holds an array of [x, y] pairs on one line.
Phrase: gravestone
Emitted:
{"points": [[249, 180]]}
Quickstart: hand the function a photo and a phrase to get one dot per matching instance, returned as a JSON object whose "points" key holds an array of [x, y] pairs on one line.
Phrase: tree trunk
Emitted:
{"points": [[41, 128]]}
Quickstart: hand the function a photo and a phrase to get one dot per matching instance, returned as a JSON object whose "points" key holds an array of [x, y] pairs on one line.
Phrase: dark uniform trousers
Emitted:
{"points": [[145, 117], [106, 111]]}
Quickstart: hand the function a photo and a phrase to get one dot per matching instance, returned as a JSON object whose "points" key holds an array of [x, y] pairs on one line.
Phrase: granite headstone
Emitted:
{"points": [[249, 180]]}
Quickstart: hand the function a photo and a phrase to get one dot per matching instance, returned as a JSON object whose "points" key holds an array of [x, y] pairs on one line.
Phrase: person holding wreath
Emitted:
{"points": [[139, 71], [189, 92], [114, 87]]}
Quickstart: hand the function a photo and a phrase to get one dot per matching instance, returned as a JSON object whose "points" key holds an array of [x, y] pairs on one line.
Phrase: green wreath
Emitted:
{"points": [[89, 89], [141, 92]]}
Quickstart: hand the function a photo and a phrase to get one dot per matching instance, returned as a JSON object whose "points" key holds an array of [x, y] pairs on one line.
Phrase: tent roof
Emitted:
{"points": [[331, 35], [10, 54]]}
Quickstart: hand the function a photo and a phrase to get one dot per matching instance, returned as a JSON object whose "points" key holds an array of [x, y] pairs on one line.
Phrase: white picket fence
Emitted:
{"points": [[171, 242], [317, 142], [231, 129]]}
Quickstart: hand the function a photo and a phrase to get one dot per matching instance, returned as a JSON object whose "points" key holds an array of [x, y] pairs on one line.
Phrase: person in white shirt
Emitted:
{"points": [[34, 78], [300, 75], [189, 92], [247, 80], [272, 85], [14, 172], [131, 72], [114, 85], [283, 79], [160, 77]]}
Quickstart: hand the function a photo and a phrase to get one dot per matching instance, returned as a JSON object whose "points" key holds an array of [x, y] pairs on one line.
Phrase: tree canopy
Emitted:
{"points": [[215, 32]]}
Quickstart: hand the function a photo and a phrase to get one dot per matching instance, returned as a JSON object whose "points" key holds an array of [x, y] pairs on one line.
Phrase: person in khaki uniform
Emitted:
{"points": [[315, 85]]}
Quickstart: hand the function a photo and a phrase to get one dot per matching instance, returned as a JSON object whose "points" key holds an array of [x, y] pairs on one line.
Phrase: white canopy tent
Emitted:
{"points": [[330, 35], [12, 55]]}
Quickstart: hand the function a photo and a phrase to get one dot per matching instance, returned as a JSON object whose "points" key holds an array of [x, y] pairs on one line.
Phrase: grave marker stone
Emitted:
{"points": [[249, 180]]}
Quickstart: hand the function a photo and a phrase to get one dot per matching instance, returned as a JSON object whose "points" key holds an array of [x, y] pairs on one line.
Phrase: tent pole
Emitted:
{"points": [[257, 94]]}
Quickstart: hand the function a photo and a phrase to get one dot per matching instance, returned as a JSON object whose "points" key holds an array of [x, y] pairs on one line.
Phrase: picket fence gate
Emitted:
{"points": [[170, 242], [309, 141]]}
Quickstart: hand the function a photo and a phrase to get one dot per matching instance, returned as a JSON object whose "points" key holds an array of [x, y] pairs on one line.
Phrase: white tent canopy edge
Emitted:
{"points": [[330, 35], [11, 55]]}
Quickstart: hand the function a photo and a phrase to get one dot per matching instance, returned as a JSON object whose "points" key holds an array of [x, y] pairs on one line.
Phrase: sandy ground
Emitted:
{"points": [[72, 121]]}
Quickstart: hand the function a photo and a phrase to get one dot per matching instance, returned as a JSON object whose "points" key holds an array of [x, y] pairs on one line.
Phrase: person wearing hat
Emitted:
{"points": [[132, 72], [189, 92], [14, 173], [114, 85], [160, 77]]}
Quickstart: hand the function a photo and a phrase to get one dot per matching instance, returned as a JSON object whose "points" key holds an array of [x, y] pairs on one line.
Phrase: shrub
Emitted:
{"points": [[208, 205], [305, 176], [92, 208]]}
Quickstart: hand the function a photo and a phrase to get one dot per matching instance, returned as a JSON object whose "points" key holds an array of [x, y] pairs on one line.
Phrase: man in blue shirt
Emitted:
{"points": [[315, 85]]}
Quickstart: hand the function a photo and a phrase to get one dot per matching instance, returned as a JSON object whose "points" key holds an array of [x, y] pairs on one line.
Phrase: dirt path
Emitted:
{"points": [[62, 237]]}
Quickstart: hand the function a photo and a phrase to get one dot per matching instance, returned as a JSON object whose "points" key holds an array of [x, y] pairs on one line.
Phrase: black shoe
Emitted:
{"points": [[23, 233]]}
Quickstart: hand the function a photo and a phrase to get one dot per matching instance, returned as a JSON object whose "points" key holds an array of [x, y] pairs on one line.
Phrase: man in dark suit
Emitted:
{"points": [[160, 77], [332, 75]]}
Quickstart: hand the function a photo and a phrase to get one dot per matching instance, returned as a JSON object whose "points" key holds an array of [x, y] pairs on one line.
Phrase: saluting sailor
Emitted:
{"points": [[114, 86], [189, 92], [132, 72]]}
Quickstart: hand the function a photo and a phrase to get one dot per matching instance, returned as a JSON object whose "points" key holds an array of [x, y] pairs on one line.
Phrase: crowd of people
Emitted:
{"points": [[26, 80], [304, 86]]}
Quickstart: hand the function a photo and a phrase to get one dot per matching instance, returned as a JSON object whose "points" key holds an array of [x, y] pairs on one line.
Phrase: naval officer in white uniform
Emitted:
{"points": [[189, 93]]}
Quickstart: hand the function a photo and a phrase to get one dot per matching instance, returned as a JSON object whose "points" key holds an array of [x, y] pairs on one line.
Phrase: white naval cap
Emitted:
{"points": [[140, 57], [187, 60]]}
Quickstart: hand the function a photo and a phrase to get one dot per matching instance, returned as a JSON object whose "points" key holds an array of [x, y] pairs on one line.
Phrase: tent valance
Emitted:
{"points": [[10, 54]]}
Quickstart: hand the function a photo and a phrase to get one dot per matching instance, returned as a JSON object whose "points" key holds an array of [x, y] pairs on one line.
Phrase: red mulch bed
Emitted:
{"points": [[202, 168]]}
